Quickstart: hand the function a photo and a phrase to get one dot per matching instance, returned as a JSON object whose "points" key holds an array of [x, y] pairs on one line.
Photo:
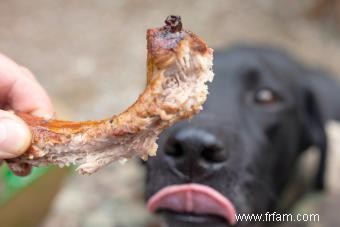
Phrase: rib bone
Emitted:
{"points": [[179, 64]]}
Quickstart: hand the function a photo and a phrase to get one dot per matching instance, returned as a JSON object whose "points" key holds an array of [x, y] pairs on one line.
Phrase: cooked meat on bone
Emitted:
{"points": [[179, 64]]}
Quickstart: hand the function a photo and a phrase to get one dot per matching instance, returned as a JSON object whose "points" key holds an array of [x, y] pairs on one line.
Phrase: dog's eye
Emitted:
{"points": [[265, 96]]}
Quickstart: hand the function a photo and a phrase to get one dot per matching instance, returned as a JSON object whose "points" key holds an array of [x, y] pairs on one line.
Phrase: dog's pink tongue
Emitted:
{"points": [[193, 198]]}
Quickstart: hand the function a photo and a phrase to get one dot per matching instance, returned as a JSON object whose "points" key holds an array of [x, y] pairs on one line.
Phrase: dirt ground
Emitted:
{"points": [[90, 56]]}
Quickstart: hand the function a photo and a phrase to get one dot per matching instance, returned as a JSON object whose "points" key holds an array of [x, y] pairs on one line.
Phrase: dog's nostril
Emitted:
{"points": [[193, 146], [214, 153], [175, 150]]}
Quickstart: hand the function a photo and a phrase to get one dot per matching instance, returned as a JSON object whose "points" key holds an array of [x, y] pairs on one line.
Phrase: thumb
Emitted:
{"points": [[15, 136]]}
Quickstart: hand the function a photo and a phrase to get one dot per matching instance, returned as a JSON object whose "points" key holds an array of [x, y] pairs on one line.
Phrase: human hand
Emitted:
{"points": [[19, 91]]}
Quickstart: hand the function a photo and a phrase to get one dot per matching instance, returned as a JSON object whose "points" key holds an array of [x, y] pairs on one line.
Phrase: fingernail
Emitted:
{"points": [[14, 138]]}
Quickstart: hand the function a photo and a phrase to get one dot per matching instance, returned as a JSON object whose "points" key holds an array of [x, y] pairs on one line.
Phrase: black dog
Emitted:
{"points": [[237, 156]]}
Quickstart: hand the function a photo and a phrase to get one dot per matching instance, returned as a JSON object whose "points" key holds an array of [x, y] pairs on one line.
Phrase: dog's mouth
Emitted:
{"points": [[194, 200]]}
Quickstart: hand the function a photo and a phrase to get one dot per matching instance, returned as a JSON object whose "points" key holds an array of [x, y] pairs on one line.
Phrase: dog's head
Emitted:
{"points": [[237, 155]]}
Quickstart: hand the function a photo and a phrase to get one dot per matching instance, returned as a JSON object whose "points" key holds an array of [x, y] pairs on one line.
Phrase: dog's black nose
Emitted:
{"points": [[195, 151]]}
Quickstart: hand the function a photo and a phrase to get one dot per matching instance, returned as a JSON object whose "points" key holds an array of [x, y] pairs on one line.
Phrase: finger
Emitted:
{"points": [[27, 72], [15, 136], [21, 91]]}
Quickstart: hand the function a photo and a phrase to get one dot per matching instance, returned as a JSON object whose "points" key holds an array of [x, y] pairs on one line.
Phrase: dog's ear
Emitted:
{"points": [[321, 104], [314, 133]]}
